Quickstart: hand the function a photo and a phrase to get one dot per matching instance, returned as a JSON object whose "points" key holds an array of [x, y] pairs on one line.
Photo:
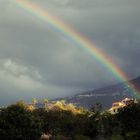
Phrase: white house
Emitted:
{"points": [[118, 105]]}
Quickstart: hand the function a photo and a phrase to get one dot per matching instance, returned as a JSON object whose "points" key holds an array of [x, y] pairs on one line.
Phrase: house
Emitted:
{"points": [[116, 106]]}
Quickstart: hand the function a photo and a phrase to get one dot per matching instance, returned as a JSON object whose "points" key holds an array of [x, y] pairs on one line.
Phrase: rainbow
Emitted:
{"points": [[78, 40]]}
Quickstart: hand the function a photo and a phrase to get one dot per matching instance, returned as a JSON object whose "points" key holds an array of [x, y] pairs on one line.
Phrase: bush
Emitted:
{"points": [[81, 137], [61, 137]]}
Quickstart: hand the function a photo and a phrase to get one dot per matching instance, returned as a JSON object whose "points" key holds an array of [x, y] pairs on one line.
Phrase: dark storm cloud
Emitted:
{"points": [[36, 61]]}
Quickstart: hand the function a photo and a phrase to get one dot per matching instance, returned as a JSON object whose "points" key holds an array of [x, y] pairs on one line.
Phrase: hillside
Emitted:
{"points": [[105, 96]]}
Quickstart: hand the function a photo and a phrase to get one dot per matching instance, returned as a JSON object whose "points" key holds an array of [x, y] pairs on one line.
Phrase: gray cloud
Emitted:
{"points": [[85, 4], [37, 61]]}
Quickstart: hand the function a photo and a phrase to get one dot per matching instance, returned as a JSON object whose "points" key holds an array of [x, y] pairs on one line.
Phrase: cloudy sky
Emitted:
{"points": [[37, 62]]}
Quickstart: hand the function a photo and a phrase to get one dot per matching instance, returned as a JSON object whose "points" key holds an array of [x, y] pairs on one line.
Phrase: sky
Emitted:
{"points": [[38, 62]]}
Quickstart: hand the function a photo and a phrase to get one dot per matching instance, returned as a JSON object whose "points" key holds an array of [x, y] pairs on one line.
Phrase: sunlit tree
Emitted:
{"points": [[34, 101], [46, 102]]}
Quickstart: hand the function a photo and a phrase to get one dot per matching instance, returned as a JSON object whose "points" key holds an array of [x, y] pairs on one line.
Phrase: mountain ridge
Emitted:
{"points": [[106, 96]]}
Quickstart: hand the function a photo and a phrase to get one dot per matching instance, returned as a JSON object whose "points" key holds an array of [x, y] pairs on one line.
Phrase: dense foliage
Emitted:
{"points": [[65, 122]]}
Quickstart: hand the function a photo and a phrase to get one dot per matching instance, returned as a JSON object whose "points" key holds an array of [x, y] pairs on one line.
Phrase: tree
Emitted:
{"points": [[129, 121], [34, 101], [97, 107], [46, 102], [16, 122]]}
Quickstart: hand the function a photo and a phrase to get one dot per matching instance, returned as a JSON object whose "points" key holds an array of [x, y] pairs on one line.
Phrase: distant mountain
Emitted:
{"points": [[106, 96]]}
